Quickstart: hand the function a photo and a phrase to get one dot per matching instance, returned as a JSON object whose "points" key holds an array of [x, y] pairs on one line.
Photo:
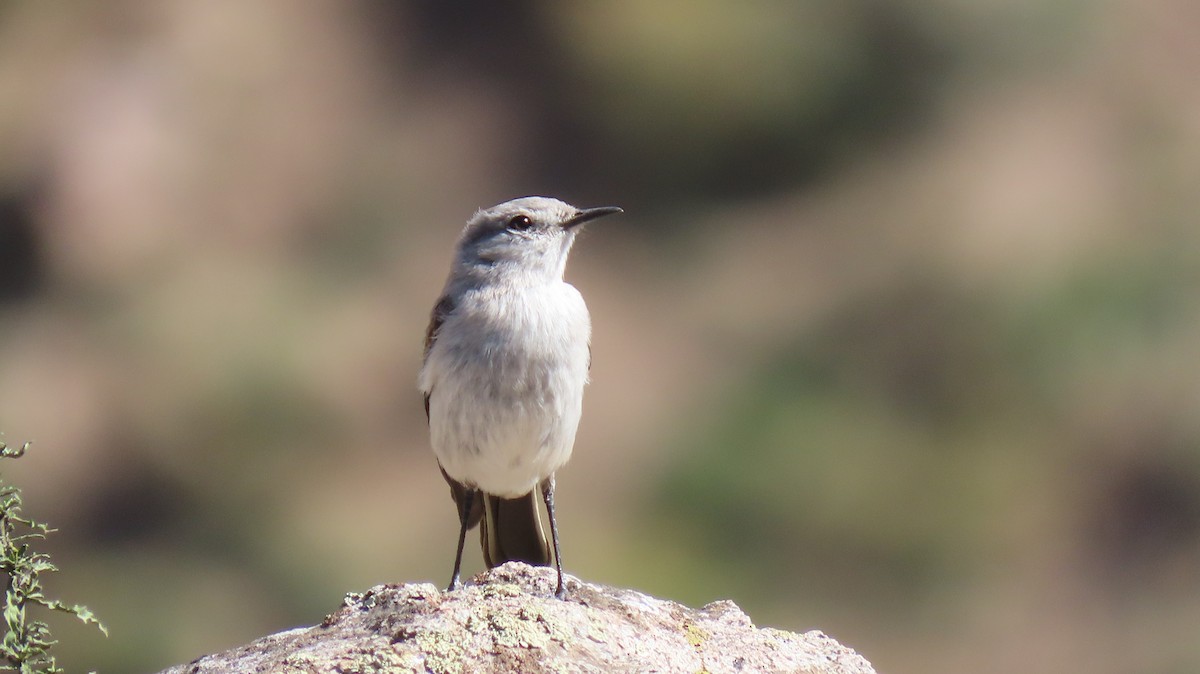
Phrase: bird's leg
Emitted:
{"points": [[464, 513], [548, 497]]}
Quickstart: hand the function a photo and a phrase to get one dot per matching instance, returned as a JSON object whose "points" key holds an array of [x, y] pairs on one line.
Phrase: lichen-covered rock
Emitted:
{"points": [[508, 620]]}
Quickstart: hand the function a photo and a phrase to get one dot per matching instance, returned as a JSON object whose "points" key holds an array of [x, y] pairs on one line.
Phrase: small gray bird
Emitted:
{"points": [[507, 355]]}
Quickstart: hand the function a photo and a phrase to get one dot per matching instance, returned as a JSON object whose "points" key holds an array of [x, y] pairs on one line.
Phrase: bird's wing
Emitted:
{"points": [[441, 310], [458, 490]]}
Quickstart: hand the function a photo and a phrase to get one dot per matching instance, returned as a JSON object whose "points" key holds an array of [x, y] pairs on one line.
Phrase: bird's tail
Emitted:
{"points": [[512, 531]]}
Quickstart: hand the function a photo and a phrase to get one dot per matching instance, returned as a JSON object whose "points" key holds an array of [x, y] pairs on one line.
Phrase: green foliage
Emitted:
{"points": [[26, 645]]}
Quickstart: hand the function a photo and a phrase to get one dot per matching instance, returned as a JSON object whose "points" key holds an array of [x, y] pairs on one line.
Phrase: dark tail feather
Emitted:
{"points": [[512, 530]]}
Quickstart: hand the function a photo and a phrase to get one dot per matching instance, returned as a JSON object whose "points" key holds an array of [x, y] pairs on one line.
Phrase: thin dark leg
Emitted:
{"points": [[548, 497], [464, 513]]}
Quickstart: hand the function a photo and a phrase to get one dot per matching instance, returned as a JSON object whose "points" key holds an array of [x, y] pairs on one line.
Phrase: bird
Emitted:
{"points": [[507, 356]]}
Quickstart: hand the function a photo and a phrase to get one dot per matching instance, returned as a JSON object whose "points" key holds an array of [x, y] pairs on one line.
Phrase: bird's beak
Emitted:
{"points": [[590, 214]]}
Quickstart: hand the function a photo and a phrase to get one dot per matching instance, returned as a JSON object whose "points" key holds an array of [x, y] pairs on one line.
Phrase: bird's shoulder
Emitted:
{"points": [[441, 310]]}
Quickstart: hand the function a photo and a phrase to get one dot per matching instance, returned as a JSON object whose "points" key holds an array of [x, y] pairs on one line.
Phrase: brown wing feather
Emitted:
{"points": [[438, 316], [459, 491]]}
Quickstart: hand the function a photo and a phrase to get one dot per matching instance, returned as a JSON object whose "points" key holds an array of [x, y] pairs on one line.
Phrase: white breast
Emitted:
{"points": [[505, 379]]}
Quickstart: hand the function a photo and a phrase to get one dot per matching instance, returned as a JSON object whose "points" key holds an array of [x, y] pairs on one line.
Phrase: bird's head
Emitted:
{"points": [[530, 235]]}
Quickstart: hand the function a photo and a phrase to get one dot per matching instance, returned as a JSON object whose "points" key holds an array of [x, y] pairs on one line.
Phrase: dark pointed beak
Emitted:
{"points": [[590, 214]]}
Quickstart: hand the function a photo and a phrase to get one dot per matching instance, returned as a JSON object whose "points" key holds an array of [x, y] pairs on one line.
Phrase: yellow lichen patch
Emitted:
{"points": [[695, 635], [501, 590], [527, 627], [444, 650]]}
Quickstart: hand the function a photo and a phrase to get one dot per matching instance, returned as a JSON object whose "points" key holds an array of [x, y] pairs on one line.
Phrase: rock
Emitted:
{"points": [[507, 620]]}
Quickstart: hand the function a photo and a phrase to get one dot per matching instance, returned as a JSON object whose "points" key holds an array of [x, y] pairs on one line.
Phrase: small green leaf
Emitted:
{"points": [[26, 643]]}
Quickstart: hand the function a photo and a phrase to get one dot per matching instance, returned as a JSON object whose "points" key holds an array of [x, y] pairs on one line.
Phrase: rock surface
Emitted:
{"points": [[507, 620]]}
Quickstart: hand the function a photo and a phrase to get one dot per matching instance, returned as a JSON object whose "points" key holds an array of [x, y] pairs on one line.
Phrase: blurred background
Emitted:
{"points": [[899, 337]]}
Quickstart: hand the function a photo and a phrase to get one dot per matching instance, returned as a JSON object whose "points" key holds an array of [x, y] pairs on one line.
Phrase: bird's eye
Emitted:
{"points": [[520, 223]]}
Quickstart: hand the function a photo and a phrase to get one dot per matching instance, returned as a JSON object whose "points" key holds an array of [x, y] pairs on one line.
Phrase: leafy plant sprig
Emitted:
{"points": [[27, 642]]}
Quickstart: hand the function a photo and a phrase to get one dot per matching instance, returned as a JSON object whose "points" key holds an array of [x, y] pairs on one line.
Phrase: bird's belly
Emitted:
{"points": [[505, 423]]}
